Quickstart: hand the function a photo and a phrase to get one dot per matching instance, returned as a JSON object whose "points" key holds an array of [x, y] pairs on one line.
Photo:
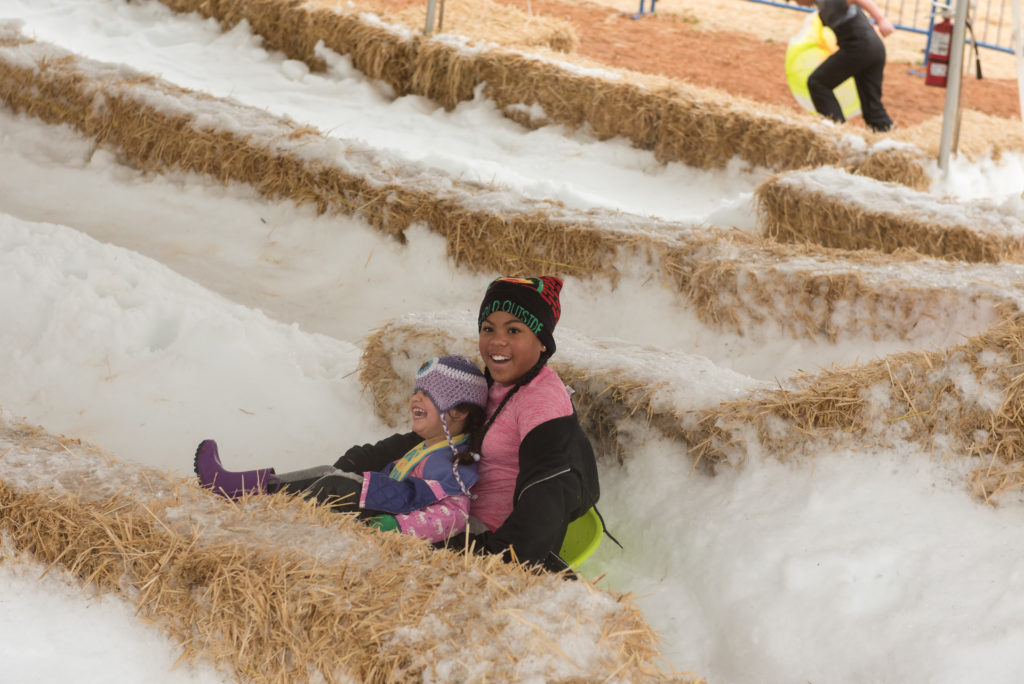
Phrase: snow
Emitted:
{"points": [[145, 313]]}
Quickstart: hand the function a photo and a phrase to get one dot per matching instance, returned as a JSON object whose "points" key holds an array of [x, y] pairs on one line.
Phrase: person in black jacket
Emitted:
{"points": [[537, 469]]}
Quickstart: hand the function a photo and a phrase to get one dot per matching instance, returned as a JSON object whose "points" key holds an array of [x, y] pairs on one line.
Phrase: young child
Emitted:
{"points": [[861, 55], [419, 481], [538, 471]]}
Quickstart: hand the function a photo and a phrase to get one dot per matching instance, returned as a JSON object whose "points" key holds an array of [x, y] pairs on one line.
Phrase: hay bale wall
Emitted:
{"points": [[737, 282], [276, 590], [611, 384], [966, 401], [830, 207], [679, 123], [732, 280]]}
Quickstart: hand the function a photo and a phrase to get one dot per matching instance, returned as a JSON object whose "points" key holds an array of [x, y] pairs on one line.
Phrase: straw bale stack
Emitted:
{"points": [[274, 589], [739, 283], [611, 382], [966, 401], [676, 121], [732, 280], [830, 207]]}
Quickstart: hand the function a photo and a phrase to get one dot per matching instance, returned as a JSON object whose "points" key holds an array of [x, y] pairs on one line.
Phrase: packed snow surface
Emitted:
{"points": [[145, 313]]}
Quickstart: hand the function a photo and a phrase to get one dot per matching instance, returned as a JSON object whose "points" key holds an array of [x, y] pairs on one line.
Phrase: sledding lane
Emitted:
{"points": [[473, 142]]}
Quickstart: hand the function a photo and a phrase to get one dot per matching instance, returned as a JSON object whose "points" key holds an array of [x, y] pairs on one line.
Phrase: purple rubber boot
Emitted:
{"points": [[213, 476]]}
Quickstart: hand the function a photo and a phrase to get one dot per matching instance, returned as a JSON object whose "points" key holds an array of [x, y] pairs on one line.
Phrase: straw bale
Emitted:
{"points": [[493, 22], [678, 122], [701, 128], [732, 280], [275, 589], [829, 207], [980, 136], [966, 401], [284, 26], [963, 401], [612, 383], [903, 165], [737, 282], [444, 75]]}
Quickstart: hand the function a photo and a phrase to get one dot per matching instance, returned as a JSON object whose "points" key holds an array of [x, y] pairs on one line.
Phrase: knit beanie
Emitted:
{"points": [[450, 381], [534, 301]]}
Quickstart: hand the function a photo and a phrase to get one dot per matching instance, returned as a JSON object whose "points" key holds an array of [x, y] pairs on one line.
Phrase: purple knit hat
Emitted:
{"points": [[450, 381]]}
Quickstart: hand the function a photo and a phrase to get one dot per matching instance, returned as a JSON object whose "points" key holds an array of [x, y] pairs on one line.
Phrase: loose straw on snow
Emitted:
{"points": [[732, 280], [964, 401], [678, 122], [830, 207], [273, 589]]}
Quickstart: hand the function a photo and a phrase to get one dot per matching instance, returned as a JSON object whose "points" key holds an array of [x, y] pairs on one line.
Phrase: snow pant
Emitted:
{"points": [[861, 55], [326, 484]]}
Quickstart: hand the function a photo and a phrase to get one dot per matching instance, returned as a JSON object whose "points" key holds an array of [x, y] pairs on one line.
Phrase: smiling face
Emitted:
{"points": [[509, 348], [426, 419]]}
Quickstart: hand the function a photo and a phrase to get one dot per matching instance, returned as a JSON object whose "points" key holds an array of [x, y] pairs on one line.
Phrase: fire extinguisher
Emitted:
{"points": [[938, 53]]}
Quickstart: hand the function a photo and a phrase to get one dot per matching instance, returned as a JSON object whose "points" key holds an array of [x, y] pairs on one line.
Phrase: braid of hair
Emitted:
{"points": [[474, 420], [528, 376], [455, 459], [462, 485]]}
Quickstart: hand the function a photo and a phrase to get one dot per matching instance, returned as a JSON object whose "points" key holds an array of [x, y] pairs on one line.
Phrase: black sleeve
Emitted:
{"points": [[537, 524], [557, 483], [373, 457]]}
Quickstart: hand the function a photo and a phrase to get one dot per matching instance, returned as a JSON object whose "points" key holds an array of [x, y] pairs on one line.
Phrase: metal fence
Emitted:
{"points": [[992, 20]]}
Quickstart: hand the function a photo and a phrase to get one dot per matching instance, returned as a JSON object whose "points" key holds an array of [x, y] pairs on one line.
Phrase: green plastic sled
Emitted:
{"points": [[582, 538]]}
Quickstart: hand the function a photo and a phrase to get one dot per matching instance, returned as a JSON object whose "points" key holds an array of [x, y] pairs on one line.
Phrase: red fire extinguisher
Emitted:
{"points": [[938, 53]]}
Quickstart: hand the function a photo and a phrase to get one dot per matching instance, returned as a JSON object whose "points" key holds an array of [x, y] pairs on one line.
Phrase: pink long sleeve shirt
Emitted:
{"points": [[543, 399]]}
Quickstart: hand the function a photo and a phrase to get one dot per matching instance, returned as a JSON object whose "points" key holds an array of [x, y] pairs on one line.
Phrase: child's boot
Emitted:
{"points": [[233, 485]]}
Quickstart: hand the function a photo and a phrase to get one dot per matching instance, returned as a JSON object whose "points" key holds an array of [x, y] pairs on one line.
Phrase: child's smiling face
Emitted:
{"points": [[509, 348], [426, 419]]}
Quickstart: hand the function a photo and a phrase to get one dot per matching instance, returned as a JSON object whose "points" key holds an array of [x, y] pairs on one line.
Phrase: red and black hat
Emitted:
{"points": [[534, 301]]}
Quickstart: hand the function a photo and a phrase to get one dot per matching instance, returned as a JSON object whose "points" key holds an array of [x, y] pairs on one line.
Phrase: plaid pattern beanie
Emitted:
{"points": [[450, 381], [534, 301]]}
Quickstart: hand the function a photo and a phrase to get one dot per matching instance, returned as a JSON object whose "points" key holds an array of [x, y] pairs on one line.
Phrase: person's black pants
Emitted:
{"points": [[339, 491], [861, 55]]}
